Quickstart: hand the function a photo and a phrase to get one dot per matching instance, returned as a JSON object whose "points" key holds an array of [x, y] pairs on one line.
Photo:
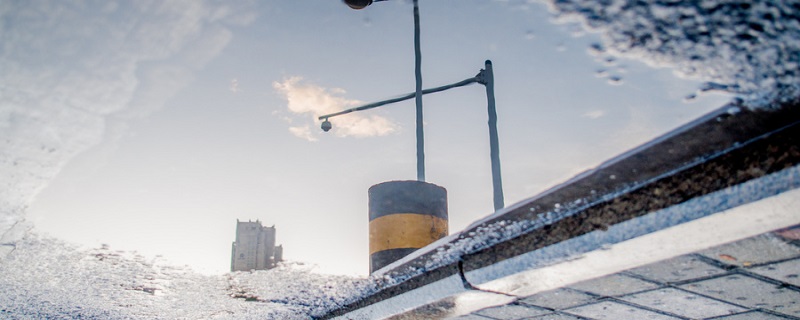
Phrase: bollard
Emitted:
{"points": [[403, 217]]}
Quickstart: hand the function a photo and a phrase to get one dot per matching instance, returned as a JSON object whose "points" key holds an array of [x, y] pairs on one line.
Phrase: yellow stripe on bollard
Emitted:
{"points": [[405, 230], [403, 217]]}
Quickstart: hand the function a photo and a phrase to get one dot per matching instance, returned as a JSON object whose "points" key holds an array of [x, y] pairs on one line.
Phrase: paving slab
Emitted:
{"points": [[558, 299], [787, 271], [614, 285], [755, 315], [554, 316], [471, 317], [750, 292], [616, 311], [754, 251], [683, 303], [678, 269], [512, 312]]}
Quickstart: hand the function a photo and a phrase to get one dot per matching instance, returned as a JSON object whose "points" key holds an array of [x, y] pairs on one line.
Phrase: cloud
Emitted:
{"points": [[594, 114], [303, 132], [314, 101], [234, 87]]}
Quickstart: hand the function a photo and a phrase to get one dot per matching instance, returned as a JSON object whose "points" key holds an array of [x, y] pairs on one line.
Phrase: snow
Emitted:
{"points": [[44, 278], [750, 48]]}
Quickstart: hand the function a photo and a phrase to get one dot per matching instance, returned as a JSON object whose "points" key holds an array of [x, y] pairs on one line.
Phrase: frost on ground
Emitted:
{"points": [[750, 48], [44, 278]]}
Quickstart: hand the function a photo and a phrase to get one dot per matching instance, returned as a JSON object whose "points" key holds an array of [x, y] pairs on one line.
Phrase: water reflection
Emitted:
{"points": [[153, 126]]}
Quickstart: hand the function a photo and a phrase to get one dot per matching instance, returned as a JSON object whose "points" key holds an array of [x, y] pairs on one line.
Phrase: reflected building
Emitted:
{"points": [[254, 248]]}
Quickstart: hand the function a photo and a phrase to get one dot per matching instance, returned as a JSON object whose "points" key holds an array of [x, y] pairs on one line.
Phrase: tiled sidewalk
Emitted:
{"points": [[755, 278]]}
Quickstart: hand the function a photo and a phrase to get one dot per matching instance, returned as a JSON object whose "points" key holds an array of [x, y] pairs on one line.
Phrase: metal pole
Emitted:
{"points": [[494, 145], [418, 97]]}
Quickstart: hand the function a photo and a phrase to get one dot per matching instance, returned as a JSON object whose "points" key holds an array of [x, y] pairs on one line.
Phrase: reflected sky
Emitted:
{"points": [[169, 121]]}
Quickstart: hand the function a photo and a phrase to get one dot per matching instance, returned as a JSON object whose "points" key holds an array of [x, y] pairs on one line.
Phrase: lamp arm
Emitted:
{"points": [[401, 98]]}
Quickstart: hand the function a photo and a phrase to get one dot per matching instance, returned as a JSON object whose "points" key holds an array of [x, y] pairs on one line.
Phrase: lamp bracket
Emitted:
{"points": [[481, 77]]}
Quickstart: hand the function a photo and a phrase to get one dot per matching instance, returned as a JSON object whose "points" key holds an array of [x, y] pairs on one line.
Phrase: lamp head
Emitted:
{"points": [[326, 125], [357, 4]]}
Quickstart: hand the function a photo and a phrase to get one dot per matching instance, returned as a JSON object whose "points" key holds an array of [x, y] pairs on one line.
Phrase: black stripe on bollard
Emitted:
{"points": [[404, 216], [386, 257]]}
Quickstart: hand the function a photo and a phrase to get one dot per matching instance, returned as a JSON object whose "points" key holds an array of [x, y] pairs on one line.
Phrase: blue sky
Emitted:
{"points": [[169, 121]]}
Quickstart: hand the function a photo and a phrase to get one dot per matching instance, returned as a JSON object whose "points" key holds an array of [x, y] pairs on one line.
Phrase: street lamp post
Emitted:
{"points": [[407, 215], [485, 77], [361, 4], [418, 97], [494, 144]]}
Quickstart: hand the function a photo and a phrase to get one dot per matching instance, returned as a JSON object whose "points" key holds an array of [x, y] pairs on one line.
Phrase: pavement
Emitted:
{"points": [[754, 278]]}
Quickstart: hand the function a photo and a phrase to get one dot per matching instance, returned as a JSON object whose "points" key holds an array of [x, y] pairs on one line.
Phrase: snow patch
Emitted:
{"points": [[44, 278]]}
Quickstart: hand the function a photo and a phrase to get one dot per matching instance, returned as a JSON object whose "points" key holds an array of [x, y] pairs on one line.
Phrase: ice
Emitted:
{"points": [[60, 97]]}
